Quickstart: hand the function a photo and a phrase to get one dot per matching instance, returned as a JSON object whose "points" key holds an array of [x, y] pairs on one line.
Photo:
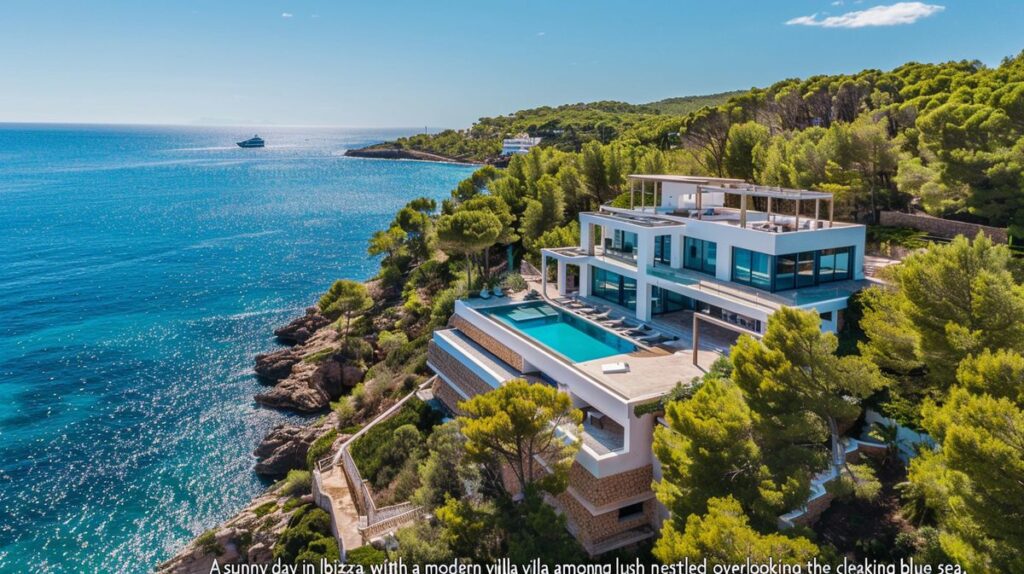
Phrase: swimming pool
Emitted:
{"points": [[563, 333]]}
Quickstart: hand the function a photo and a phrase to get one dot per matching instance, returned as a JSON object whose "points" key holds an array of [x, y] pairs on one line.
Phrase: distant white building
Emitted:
{"points": [[518, 145]]}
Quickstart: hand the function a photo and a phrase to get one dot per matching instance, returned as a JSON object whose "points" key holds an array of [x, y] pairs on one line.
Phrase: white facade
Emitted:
{"points": [[518, 145], [695, 208]]}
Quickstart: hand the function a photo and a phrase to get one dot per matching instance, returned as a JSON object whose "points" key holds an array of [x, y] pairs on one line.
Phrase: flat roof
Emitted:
{"points": [[682, 178], [732, 185]]}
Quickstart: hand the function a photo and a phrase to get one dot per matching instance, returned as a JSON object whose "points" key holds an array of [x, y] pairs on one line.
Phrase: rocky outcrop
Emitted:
{"points": [[273, 367], [301, 329], [305, 389], [246, 538], [286, 446], [308, 376], [284, 449]]}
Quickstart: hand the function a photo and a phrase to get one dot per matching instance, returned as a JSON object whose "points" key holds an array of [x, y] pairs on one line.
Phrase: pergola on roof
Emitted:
{"points": [[671, 178], [736, 187], [765, 191]]}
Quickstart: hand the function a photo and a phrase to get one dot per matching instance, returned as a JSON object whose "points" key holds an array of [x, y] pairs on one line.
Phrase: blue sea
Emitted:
{"points": [[141, 269]]}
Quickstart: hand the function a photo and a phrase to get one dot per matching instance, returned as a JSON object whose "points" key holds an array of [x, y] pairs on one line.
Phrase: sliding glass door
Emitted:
{"points": [[613, 287]]}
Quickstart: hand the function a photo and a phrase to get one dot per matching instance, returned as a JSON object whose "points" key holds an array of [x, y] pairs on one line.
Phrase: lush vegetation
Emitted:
{"points": [[307, 539], [477, 517], [941, 353], [566, 127], [388, 455]]}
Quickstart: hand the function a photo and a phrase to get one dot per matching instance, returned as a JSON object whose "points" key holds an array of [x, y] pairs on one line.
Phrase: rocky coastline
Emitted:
{"points": [[304, 377], [381, 151]]}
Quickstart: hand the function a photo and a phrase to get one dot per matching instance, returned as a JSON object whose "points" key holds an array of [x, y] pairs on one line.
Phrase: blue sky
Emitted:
{"points": [[416, 63]]}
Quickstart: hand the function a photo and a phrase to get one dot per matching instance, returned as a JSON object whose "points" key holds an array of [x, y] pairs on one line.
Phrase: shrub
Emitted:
{"points": [[265, 509], [307, 526], [366, 556], [297, 483], [320, 447], [345, 410], [443, 307], [375, 447], [389, 342], [514, 282], [207, 541], [320, 549]]}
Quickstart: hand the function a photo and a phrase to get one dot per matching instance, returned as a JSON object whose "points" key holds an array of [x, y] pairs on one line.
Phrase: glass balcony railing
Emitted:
{"points": [[671, 274]]}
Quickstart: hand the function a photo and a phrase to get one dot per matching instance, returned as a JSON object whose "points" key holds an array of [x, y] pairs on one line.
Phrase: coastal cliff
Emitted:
{"points": [[246, 538]]}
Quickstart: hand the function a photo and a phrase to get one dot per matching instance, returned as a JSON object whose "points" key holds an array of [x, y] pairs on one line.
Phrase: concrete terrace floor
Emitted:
{"points": [[650, 375]]}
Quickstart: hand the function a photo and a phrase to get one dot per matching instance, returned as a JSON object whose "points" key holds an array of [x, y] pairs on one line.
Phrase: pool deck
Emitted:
{"points": [[652, 372], [650, 375]]}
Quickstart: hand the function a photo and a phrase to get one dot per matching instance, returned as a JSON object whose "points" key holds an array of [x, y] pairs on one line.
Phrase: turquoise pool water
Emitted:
{"points": [[566, 334]]}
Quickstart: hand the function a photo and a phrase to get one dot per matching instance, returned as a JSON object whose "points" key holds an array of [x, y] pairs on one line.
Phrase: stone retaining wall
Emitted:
{"points": [[454, 370], [603, 491], [510, 357], [941, 227], [448, 396], [592, 530]]}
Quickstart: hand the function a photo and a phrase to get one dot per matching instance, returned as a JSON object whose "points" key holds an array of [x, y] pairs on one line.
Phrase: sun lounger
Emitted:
{"points": [[614, 322], [612, 368]]}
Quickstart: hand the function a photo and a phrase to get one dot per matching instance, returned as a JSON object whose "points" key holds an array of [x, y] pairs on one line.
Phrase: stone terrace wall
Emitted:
{"points": [[488, 342], [592, 530], [449, 397], [941, 227], [602, 491], [460, 374]]}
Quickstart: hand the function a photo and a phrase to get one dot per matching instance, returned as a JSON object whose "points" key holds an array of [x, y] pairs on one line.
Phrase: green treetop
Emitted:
{"points": [[467, 232], [798, 386], [945, 303], [723, 536], [708, 450], [516, 424], [345, 299], [974, 480]]}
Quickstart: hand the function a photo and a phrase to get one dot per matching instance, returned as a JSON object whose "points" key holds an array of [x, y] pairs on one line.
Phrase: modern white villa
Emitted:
{"points": [[518, 145], [648, 300]]}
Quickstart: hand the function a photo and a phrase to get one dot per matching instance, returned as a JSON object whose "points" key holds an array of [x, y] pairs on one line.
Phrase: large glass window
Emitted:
{"points": [[752, 268], [625, 241], [834, 264], [785, 272], [700, 255], [663, 249], [613, 287], [805, 269], [809, 268], [665, 301]]}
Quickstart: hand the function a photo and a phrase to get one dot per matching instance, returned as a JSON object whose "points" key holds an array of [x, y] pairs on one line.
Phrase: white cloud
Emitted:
{"points": [[540, 33], [286, 14], [838, 3], [892, 15]]}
